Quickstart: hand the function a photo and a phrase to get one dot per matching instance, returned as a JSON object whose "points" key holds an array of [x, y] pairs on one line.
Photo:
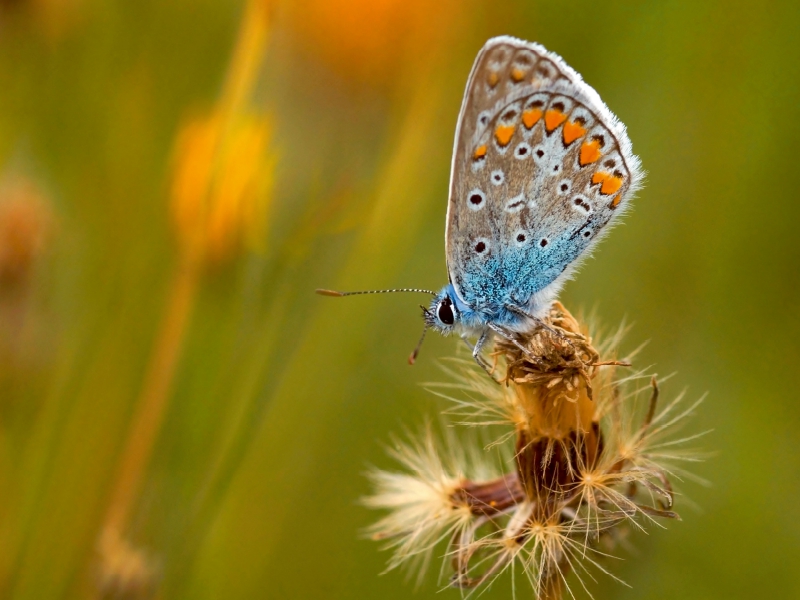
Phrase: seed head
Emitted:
{"points": [[587, 455]]}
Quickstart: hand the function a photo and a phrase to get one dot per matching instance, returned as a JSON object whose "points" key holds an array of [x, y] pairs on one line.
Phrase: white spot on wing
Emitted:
{"points": [[515, 204], [581, 204], [540, 155]]}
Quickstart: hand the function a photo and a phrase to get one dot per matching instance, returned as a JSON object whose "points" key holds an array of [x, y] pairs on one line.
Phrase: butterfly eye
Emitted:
{"points": [[445, 312]]}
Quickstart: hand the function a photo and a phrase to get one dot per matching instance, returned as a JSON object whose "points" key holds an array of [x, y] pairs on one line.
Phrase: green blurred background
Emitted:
{"points": [[177, 177]]}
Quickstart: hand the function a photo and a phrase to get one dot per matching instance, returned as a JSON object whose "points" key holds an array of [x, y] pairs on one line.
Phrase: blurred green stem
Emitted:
{"points": [[151, 406]]}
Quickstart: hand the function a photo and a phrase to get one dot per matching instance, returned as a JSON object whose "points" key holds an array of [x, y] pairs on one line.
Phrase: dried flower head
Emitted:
{"points": [[587, 458]]}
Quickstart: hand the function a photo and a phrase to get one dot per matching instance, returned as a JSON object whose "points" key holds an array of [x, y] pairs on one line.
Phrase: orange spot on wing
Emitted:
{"points": [[599, 177], [572, 131], [610, 183], [531, 117], [615, 201], [503, 134], [590, 152], [553, 118], [493, 79], [517, 74], [480, 152]]}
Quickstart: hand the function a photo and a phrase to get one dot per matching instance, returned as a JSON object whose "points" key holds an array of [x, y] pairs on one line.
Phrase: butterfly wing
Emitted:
{"points": [[540, 168]]}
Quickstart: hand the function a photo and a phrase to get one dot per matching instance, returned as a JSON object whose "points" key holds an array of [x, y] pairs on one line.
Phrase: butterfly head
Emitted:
{"points": [[443, 315]]}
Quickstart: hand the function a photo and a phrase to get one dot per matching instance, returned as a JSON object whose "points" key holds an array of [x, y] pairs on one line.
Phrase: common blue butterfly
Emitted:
{"points": [[540, 168]]}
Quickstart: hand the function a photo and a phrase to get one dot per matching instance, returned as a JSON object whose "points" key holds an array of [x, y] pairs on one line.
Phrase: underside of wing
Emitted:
{"points": [[540, 168]]}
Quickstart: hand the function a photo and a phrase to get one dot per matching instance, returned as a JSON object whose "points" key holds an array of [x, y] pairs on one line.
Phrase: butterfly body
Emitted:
{"points": [[541, 168], [495, 307]]}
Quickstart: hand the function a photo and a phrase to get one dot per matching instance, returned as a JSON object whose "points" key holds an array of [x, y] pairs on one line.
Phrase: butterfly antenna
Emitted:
{"points": [[336, 294], [413, 356]]}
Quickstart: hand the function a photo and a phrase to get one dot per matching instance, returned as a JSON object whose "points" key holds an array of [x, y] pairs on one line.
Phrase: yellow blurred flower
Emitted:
{"points": [[220, 195], [221, 188]]}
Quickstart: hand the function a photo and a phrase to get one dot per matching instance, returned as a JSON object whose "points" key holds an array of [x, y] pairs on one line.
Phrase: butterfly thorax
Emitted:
{"points": [[449, 313]]}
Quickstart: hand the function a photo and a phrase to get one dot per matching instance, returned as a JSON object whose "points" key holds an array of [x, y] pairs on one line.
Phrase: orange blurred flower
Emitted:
{"points": [[367, 39]]}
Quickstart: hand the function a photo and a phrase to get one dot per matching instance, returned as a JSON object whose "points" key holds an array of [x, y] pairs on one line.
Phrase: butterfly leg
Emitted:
{"points": [[513, 339], [476, 353]]}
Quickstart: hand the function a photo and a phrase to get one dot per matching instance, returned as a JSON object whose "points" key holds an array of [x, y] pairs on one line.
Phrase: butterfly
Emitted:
{"points": [[540, 169]]}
